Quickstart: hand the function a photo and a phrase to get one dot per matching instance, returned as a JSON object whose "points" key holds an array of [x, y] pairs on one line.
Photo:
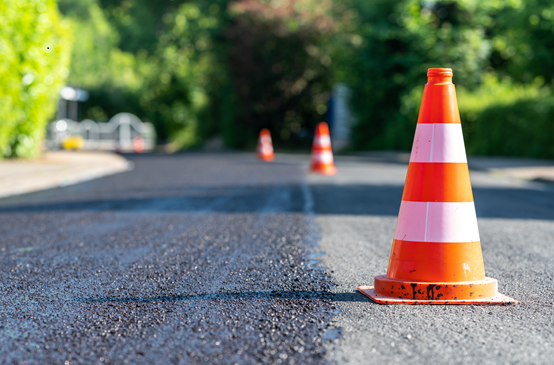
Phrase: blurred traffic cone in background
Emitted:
{"points": [[265, 146], [322, 155], [436, 253], [138, 144]]}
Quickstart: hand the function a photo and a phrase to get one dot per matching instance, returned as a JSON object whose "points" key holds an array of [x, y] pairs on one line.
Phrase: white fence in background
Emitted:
{"points": [[121, 133]]}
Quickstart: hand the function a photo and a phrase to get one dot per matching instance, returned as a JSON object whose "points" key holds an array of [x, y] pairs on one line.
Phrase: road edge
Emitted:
{"points": [[58, 169]]}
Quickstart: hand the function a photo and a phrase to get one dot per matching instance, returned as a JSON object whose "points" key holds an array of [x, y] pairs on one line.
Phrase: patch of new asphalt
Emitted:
{"points": [[357, 213], [213, 258], [191, 258]]}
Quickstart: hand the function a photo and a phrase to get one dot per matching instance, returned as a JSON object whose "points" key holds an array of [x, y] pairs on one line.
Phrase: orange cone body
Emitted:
{"points": [[265, 146], [436, 253], [322, 155]]}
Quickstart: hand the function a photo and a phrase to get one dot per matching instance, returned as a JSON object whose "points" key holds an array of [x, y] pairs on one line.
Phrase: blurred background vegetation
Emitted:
{"points": [[35, 46], [220, 70]]}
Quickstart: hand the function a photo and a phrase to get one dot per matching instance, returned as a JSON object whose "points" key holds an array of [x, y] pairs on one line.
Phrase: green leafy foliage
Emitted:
{"points": [[231, 67], [35, 45], [499, 118], [205, 68], [145, 58], [522, 36], [177, 96], [523, 128], [385, 55], [113, 77], [278, 68], [389, 51], [507, 119]]}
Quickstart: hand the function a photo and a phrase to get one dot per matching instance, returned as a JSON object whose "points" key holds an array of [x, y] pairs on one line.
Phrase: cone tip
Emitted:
{"points": [[439, 76], [322, 127], [437, 72]]}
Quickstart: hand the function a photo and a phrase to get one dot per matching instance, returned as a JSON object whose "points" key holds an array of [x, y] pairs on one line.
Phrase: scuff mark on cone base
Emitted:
{"points": [[467, 290], [498, 299]]}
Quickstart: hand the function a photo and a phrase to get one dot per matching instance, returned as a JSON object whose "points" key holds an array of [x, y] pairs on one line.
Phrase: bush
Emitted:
{"points": [[276, 71], [35, 45], [498, 118], [387, 53], [506, 119]]}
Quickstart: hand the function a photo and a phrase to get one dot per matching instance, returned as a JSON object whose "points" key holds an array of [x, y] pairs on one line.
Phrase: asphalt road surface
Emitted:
{"points": [[220, 258]]}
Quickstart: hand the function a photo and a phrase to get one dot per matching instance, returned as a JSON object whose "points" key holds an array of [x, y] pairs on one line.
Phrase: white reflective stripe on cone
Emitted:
{"points": [[267, 149], [437, 222], [325, 157], [265, 139], [440, 142], [264, 148], [322, 141]]}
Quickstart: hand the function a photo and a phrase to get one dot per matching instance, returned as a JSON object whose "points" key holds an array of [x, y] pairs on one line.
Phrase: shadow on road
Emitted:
{"points": [[297, 295], [362, 199], [348, 199]]}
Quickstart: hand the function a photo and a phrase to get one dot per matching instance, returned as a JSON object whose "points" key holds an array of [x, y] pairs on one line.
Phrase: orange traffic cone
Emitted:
{"points": [[265, 146], [436, 252], [322, 155]]}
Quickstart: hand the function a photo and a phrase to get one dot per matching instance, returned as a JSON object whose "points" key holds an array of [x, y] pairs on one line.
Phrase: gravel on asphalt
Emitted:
{"points": [[220, 258], [189, 258]]}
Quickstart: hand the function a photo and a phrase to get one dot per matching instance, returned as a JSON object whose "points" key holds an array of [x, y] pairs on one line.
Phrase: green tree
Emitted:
{"points": [[144, 58], [277, 70], [35, 44], [522, 37], [112, 76], [176, 95], [386, 56], [200, 69], [220, 67]]}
